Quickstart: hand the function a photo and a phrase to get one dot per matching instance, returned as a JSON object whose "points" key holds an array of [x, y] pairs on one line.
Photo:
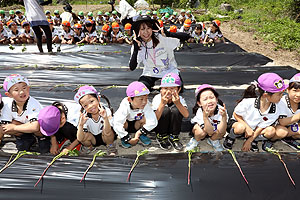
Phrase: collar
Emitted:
{"points": [[14, 107], [289, 103], [257, 105]]}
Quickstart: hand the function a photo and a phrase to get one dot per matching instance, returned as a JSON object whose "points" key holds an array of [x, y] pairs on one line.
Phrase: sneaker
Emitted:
{"points": [[254, 146], [125, 144], [291, 142], [215, 144], [145, 140], [267, 145], [174, 140], [111, 149], [228, 143], [193, 143], [163, 142]]}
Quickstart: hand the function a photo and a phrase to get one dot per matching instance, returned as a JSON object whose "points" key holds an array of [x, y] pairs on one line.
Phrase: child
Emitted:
{"points": [[14, 33], [90, 32], [182, 17], [48, 14], [210, 118], [165, 18], [79, 36], [173, 29], [190, 16], [114, 17], [59, 121], [104, 36], [20, 114], [174, 19], [20, 18], [186, 28], [12, 16], [289, 105], [128, 37], [99, 19], [198, 34], [67, 36], [135, 115], [161, 23], [94, 127], [3, 18], [82, 18], [214, 34], [254, 116], [107, 18], [90, 16], [169, 108], [3, 35], [27, 34], [154, 16], [54, 31], [116, 34], [57, 19]]}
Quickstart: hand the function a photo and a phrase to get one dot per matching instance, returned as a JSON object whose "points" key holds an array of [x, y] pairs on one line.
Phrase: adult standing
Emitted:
{"points": [[127, 12], [37, 19]]}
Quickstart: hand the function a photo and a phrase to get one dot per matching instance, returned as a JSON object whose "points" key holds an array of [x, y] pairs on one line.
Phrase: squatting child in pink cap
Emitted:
{"points": [[255, 115], [289, 105], [134, 115], [170, 108], [210, 118], [94, 127], [20, 115]]}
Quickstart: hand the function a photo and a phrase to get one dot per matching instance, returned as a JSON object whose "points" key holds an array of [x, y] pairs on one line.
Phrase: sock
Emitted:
{"points": [[232, 134]]}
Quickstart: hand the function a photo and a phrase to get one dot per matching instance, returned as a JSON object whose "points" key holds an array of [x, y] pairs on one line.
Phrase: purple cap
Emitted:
{"points": [[295, 78], [202, 87], [170, 80], [84, 90], [136, 89], [271, 82], [13, 79], [49, 120]]}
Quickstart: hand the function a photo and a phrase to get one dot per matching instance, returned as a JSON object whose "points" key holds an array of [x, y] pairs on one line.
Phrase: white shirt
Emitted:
{"points": [[68, 35], [186, 31], [73, 113], [34, 11], [285, 108], [119, 35], [180, 17], [198, 37], [54, 32], [11, 34], [112, 19], [30, 112], [81, 36], [95, 127], [157, 99], [161, 60], [125, 9], [30, 34], [214, 120], [93, 34], [192, 18], [125, 112], [248, 109], [66, 16], [3, 34], [213, 35]]}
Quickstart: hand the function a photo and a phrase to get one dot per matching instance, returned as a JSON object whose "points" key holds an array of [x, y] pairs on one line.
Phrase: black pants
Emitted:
{"points": [[39, 34], [150, 82], [169, 122], [26, 141]]}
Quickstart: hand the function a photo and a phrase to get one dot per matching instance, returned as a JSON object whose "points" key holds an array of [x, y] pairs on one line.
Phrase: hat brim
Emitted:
{"points": [[169, 85], [135, 26], [45, 132]]}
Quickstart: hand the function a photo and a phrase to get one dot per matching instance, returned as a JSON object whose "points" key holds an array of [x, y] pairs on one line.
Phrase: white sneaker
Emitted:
{"points": [[193, 143], [215, 144]]}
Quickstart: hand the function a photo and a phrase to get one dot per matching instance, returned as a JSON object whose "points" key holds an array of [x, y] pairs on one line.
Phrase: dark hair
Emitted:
{"points": [[92, 30], [199, 26], [1, 105], [295, 85], [196, 106], [218, 28], [153, 36], [61, 107], [250, 92]]}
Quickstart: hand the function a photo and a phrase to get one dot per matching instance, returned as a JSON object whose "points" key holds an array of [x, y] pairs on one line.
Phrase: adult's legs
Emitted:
{"points": [[148, 81], [48, 34], [39, 35]]}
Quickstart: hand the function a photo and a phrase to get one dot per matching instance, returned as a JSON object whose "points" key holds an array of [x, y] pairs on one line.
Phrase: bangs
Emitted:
{"points": [[295, 85]]}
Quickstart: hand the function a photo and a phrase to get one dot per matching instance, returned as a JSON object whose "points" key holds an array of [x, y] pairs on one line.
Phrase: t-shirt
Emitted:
{"points": [[93, 34], [66, 16], [248, 109], [12, 34], [55, 32], [80, 37], [125, 112], [112, 19], [35, 13], [119, 35], [189, 31], [102, 36], [29, 34], [3, 34], [285, 108], [198, 37], [180, 17], [68, 35], [213, 35], [215, 120], [157, 99], [160, 60], [30, 112]]}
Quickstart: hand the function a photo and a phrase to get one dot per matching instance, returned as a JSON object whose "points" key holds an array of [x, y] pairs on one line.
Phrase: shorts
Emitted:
{"points": [[131, 128], [99, 140], [229, 124]]}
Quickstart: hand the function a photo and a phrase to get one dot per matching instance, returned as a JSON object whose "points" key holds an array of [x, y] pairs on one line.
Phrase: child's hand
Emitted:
{"points": [[222, 111], [175, 97], [135, 39], [246, 146], [102, 112], [249, 132], [65, 151], [164, 98], [161, 29], [7, 128], [54, 149], [83, 118]]}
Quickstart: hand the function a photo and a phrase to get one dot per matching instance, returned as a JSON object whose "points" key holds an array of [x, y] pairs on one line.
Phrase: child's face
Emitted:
{"points": [[208, 100], [198, 31], [19, 92], [145, 32], [274, 98], [115, 30], [89, 28], [186, 28], [90, 17], [27, 28], [104, 33], [77, 31], [66, 28], [81, 17], [19, 14], [138, 102], [14, 27], [294, 95], [128, 32], [183, 14], [57, 15], [169, 92], [90, 104], [188, 14], [213, 28]]}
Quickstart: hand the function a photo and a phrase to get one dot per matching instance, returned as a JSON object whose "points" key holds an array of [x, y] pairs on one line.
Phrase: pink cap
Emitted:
{"points": [[170, 80], [271, 82], [295, 78], [49, 120], [13, 79], [136, 89], [202, 87], [84, 90]]}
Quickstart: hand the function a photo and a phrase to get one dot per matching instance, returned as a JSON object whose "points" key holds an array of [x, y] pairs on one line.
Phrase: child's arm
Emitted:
{"points": [[205, 39], [71, 146], [163, 102], [54, 146], [289, 120], [223, 124], [30, 127], [247, 143], [183, 110], [82, 120], [208, 128]]}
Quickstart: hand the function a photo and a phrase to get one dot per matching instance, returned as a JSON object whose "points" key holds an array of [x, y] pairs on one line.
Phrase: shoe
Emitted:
{"points": [[193, 143], [125, 144], [267, 145], [254, 146], [228, 142], [111, 149], [87, 150], [163, 142], [174, 140], [215, 144], [145, 140], [291, 142]]}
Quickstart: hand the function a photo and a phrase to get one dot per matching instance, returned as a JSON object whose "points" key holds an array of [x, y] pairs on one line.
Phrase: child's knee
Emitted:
{"points": [[269, 132], [238, 128], [199, 133], [281, 131]]}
